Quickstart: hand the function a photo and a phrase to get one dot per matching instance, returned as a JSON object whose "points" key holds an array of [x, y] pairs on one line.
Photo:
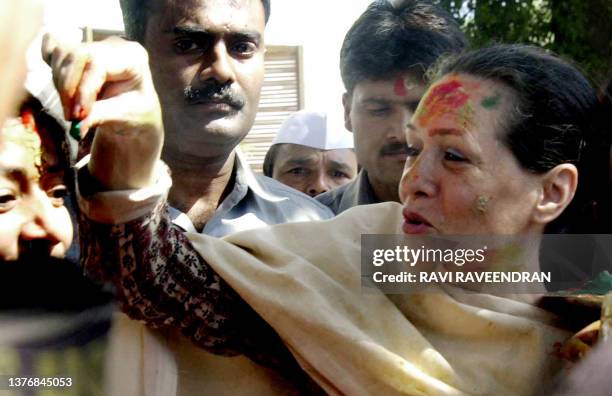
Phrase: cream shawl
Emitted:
{"points": [[304, 279]]}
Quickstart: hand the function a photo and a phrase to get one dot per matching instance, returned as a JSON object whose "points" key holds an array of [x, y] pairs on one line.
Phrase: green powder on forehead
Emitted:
{"points": [[491, 102]]}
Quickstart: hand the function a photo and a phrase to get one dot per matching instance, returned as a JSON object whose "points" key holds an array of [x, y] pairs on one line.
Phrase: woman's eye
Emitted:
{"points": [[452, 155], [57, 195], [8, 200]]}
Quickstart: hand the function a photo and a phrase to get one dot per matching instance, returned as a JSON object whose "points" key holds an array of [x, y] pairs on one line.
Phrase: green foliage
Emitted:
{"points": [[579, 30]]}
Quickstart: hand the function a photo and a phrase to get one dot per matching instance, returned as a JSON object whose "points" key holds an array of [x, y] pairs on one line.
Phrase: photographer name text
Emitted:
{"points": [[462, 277]]}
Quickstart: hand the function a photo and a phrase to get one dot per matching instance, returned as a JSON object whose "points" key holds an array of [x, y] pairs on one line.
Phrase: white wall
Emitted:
{"points": [[318, 26], [101, 14]]}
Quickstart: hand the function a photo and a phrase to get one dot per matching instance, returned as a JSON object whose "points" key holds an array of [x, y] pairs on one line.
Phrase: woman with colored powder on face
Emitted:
{"points": [[36, 228], [49, 312], [496, 147], [34, 172]]}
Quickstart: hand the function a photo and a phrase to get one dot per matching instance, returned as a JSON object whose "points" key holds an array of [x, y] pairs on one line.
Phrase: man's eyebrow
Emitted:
{"points": [[200, 31], [247, 34], [187, 30], [299, 161], [378, 101], [339, 165]]}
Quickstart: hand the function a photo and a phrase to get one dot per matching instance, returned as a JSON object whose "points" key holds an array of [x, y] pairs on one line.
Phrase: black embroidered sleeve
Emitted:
{"points": [[162, 280]]}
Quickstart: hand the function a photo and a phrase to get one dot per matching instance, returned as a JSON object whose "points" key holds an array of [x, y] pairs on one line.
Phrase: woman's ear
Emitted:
{"points": [[558, 189]]}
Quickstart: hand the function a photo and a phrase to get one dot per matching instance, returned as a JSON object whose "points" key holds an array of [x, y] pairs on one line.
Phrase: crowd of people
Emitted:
{"points": [[231, 282]]}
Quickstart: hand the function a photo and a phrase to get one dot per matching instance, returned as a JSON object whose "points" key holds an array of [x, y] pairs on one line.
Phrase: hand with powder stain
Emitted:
{"points": [[108, 85]]}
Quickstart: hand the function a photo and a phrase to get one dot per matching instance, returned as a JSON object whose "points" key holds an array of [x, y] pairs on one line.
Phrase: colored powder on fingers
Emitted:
{"points": [[75, 130]]}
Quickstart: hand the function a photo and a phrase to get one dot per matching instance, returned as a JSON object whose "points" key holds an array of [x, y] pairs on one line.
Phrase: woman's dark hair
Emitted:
{"points": [[555, 120], [392, 37]]}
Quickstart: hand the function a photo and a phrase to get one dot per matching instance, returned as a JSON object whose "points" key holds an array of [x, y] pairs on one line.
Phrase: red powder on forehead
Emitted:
{"points": [[22, 132], [27, 119], [448, 94], [443, 99], [400, 87], [448, 87]]}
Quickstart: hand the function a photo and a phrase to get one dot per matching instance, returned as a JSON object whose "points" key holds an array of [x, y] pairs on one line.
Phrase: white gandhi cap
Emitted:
{"points": [[314, 129]]}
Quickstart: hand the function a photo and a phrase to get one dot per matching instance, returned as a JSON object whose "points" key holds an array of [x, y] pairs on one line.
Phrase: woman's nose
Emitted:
{"points": [[36, 230], [40, 224], [417, 179]]}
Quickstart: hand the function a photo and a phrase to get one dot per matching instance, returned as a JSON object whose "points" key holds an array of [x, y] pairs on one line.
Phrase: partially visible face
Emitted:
{"points": [[32, 211], [460, 178], [377, 113], [207, 62], [314, 171]]}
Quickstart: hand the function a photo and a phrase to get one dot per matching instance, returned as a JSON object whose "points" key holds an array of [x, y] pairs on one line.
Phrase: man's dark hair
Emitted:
{"points": [[270, 158], [605, 96], [136, 14], [556, 117], [390, 38]]}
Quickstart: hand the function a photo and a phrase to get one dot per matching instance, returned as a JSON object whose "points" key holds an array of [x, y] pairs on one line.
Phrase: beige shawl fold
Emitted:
{"points": [[304, 279]]}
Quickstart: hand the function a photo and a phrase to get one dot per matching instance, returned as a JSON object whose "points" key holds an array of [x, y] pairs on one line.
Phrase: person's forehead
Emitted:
{"points": [[220, 15], [399, 87], [35, 151], [296, 152], [463, 102], [455, 82], [14, 159], [338, 157], [309, 155]]}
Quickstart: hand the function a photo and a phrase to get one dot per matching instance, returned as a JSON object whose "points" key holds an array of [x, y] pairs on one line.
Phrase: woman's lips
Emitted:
{"points": [[414, 223]]}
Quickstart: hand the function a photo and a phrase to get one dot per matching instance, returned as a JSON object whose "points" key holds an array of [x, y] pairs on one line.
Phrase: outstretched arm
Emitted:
{"points": [[132, 243], [126, 235]]}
